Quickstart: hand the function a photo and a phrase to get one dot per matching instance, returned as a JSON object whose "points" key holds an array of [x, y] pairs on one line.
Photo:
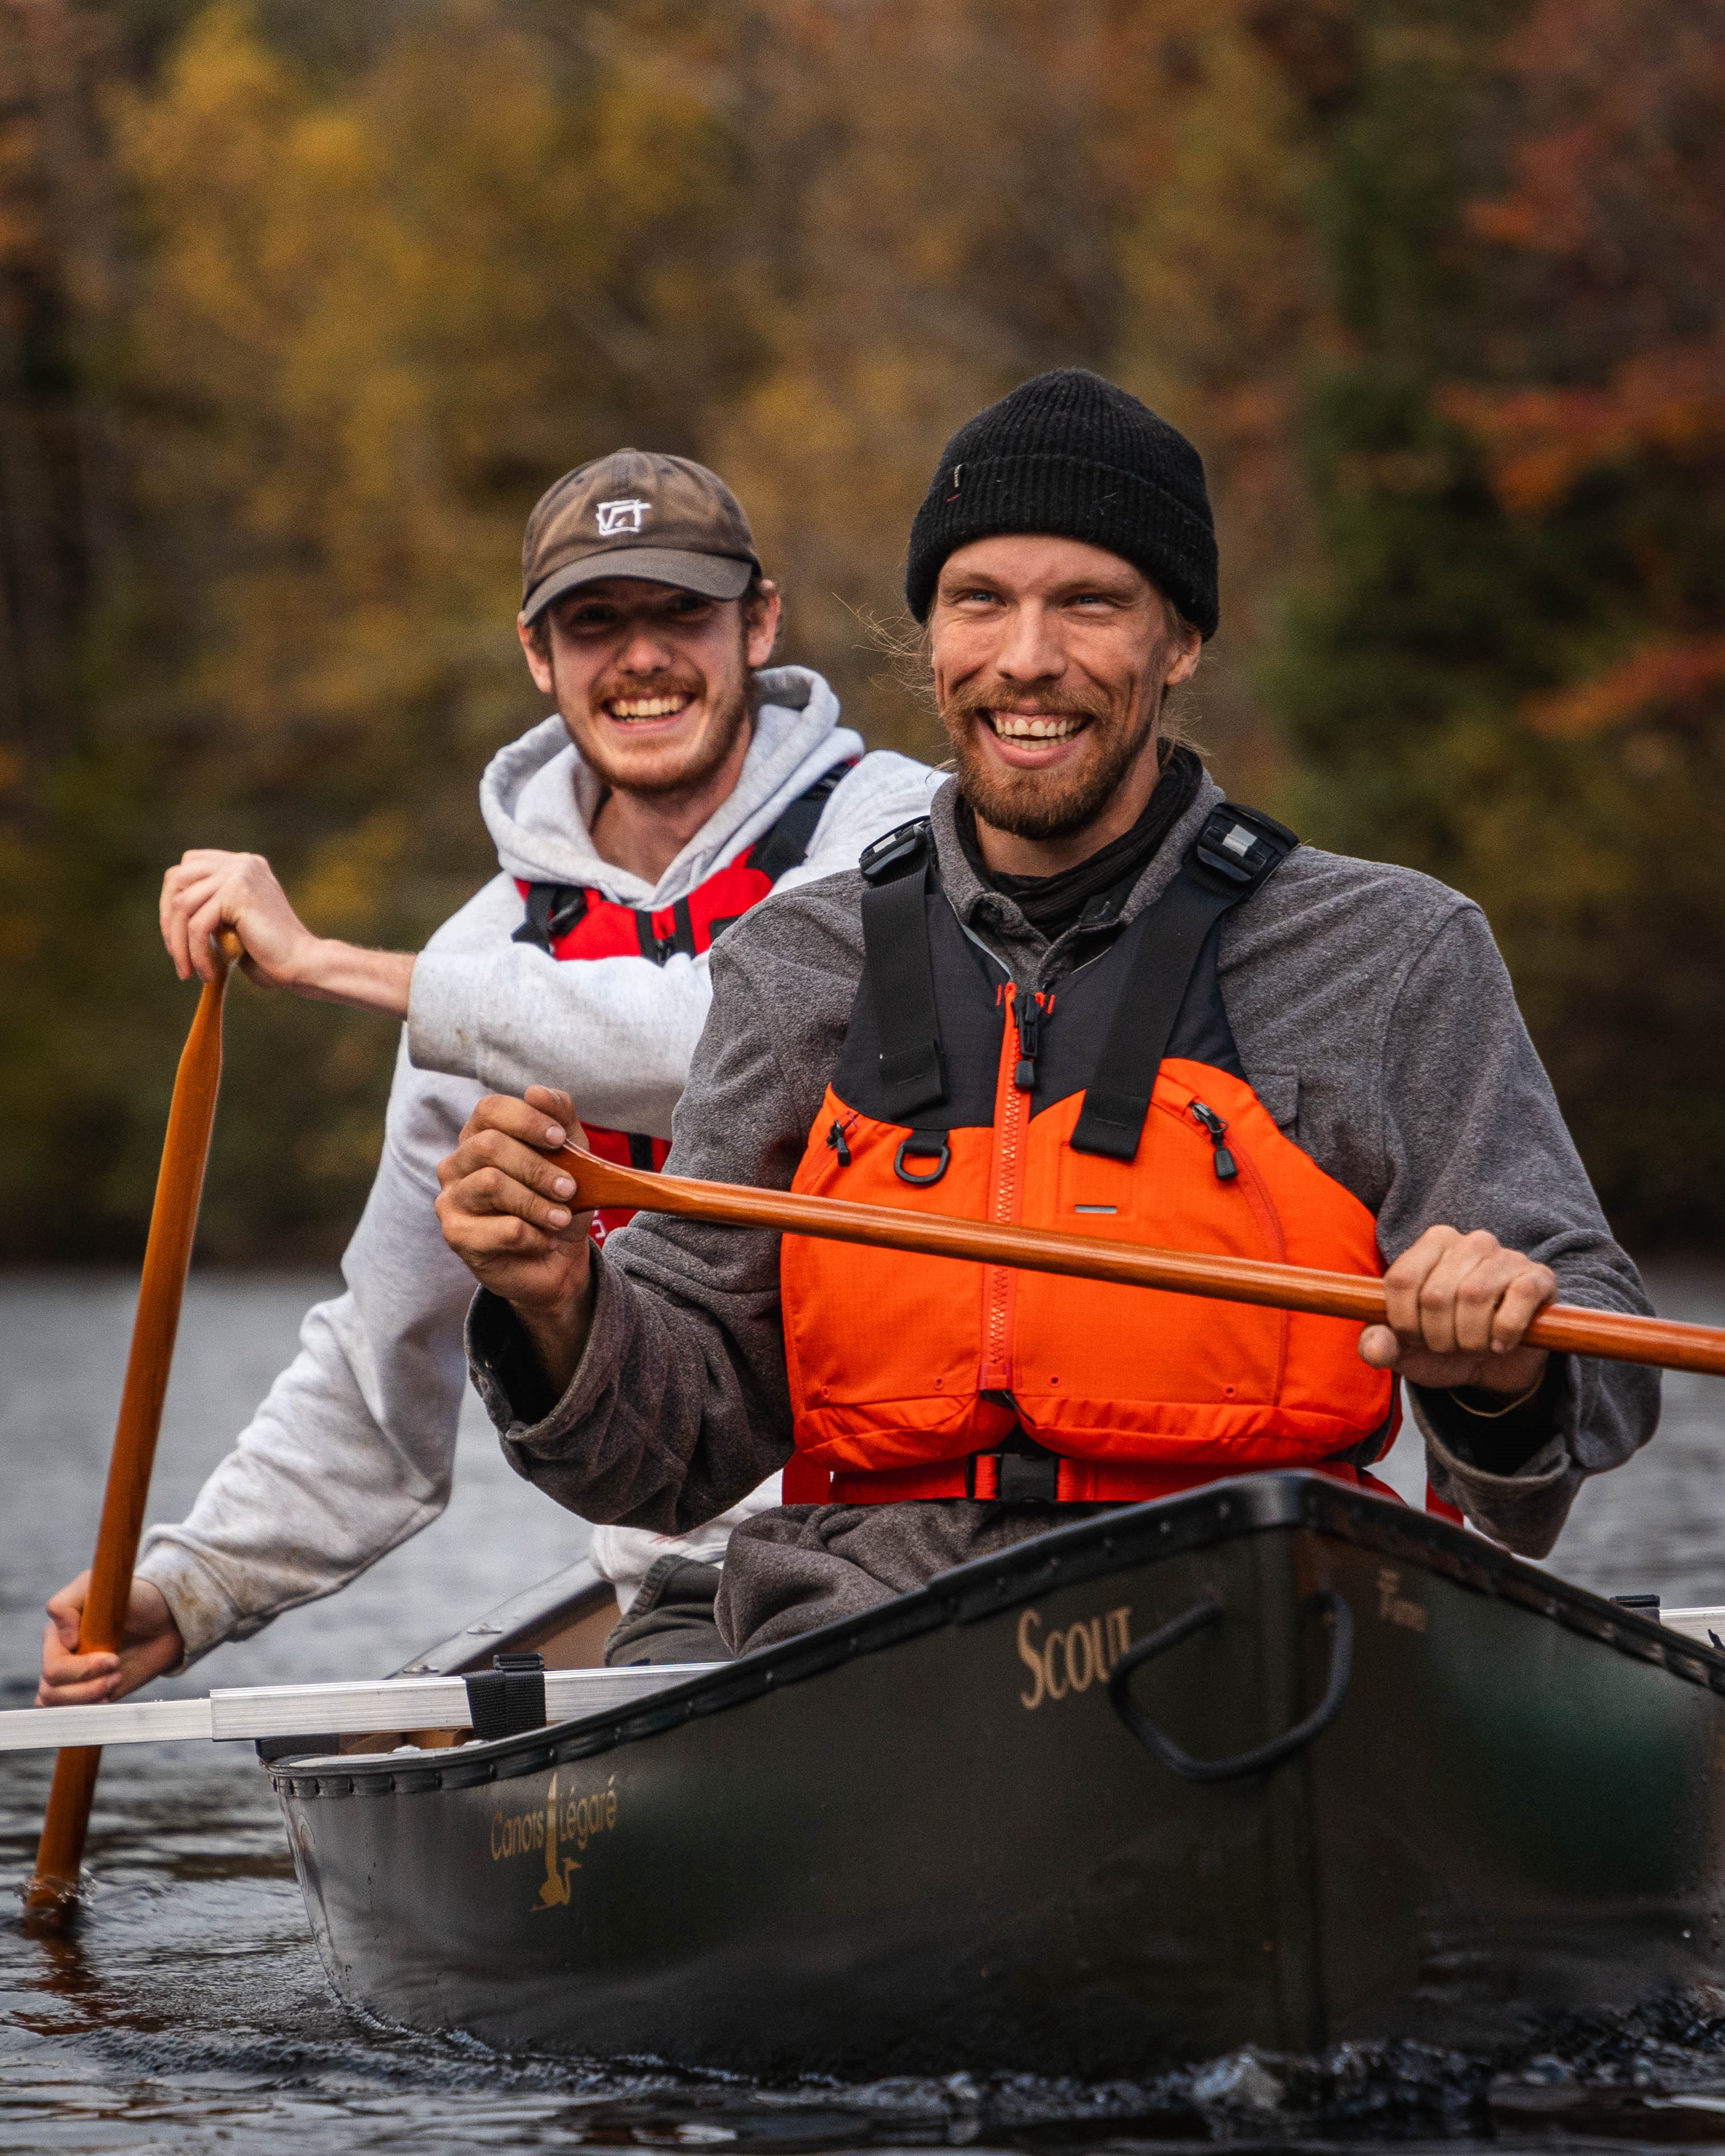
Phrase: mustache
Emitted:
{"points": [[1050, 703], [671, 683]]}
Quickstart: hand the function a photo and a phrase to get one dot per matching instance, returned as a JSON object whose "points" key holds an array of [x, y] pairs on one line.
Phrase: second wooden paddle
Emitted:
{"points": [[1614, 1336], [173, 1222]]}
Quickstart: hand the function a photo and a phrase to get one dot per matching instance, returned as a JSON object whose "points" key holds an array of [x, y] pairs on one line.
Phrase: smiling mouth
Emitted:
{"points": [[1017, 726], [627, 708]]}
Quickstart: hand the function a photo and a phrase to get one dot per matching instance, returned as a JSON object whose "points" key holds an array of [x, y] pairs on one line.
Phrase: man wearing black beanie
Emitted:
{"points": [[1087, 992], [1071, 454]]}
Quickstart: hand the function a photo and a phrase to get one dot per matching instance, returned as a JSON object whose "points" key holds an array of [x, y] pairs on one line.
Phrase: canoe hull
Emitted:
{"points": [[925, 1839]]}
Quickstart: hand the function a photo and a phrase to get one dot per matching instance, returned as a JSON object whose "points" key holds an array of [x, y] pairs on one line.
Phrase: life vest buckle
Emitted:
{"points": [[1241, 846], [922, 1145], [1027, 1478], [888, 858]]}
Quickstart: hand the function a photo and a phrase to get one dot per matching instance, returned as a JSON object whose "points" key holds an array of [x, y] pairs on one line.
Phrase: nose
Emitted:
{"points": [[1031, 650], [646, 650]]}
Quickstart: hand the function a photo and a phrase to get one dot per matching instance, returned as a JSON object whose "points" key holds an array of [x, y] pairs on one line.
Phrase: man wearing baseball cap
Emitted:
{"points": [[681, 778], [1085, 993]]}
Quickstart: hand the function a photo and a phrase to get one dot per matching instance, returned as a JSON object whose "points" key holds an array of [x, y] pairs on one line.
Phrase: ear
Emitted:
{"points": [[535, 644], [1185, 648], [762, 622]]}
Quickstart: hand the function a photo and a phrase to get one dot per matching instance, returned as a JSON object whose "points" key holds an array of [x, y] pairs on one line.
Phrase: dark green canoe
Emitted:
{"points": [[1274, 1763]]}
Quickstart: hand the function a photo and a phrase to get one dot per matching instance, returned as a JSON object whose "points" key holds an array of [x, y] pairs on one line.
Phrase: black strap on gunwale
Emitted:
{"points": [[895, 926], [553, 909], [1233, 855], [508, 1698]]}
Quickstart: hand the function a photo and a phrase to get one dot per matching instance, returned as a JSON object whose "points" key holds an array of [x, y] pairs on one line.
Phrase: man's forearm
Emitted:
{"points": [[331, 972]]}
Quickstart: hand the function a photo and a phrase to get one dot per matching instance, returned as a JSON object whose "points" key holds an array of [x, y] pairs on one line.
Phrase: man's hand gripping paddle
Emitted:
{"points": [[1616, 1336], [173, 1222]]}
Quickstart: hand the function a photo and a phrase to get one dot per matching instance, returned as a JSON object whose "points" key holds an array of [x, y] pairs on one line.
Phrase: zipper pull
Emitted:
{"points": [[1216, 1130], [1027, 1010], [835, 1139]]}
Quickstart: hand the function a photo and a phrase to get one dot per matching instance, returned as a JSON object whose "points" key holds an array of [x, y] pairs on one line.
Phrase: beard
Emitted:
{"points": [[1048, 803], [683, 769]]}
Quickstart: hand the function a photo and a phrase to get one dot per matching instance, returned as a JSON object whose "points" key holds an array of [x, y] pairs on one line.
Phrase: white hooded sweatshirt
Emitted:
{"points": [[352, 1452]]}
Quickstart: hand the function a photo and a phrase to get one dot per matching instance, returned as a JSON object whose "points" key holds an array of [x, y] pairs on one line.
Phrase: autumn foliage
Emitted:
{"points": [[301, 305]]}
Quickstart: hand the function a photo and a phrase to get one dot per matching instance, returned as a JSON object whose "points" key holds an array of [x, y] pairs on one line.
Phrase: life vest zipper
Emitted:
{"points": [[1006, 1198], [836, 1140], [1027, 1014], [1259, 1198], [1216, 1131]]}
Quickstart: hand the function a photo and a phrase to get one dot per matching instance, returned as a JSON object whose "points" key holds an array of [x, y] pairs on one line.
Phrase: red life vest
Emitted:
{"points": [[1116, 1105], [573, 921]]}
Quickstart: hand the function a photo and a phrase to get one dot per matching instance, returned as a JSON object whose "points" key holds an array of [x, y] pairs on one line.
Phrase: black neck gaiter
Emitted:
{"points": [[1052, 903]]}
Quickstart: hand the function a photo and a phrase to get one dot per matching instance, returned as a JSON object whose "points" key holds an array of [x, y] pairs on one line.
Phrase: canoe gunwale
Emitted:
{"points": [[1064, 1556]]}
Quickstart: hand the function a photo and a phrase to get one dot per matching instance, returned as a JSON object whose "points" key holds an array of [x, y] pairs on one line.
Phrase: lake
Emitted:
{"points": [[190, 2013]]}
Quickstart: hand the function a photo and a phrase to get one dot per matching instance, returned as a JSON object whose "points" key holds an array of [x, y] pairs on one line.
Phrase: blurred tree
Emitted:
{"points": [[373, 279], [301, 306], [1226, 302], [370, 318], [1515, 676]]}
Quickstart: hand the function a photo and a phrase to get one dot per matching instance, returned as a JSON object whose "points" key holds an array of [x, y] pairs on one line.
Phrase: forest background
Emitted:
{"points": [[302, 304]]}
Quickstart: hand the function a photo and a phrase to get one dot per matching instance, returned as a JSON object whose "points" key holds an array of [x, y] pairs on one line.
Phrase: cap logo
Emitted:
{"points": [[618, 517]]}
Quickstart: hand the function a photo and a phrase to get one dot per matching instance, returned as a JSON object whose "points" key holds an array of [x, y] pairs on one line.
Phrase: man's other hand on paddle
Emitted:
{"points": [[505, 1213], [152, 1644], [1458, 1307]]}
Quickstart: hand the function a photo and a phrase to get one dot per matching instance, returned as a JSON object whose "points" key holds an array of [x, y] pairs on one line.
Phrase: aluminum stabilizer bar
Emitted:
{"points": [[317, 1710]]}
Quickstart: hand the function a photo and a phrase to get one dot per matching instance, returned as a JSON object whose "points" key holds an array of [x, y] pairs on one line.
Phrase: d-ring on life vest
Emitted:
{"points": [[1116, 1105], [575, 921]]}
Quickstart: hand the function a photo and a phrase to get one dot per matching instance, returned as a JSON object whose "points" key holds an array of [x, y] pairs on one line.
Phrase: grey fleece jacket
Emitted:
{"points": [[1375, 1018], [353, 1449]]}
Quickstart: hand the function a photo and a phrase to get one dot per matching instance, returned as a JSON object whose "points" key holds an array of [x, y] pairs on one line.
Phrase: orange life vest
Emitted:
{"points": [[574, 922], [1117, 1106]]}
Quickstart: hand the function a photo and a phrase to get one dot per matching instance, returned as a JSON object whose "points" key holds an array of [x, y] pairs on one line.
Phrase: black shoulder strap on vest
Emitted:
{"points": [[894, 924], [785, 846], [680, 943], [1234, 854], [553, 909]]}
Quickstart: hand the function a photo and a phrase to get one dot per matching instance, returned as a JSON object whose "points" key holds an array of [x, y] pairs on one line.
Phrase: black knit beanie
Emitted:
{"points": [[1071, 454]]}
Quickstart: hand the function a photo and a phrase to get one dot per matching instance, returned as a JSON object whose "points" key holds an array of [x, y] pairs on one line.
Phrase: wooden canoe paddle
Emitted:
{"points": [[167, 1254], [1614, 1336]]}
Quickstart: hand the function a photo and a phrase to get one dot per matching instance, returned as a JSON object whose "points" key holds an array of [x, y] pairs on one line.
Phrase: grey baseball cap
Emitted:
{"points": [[637, 514]]}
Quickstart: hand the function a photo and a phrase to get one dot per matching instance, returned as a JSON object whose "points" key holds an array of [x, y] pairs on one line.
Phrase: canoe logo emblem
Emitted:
{"points": [[1394, 1607], [554, 1887], [1073, 1659], [616, 517], [555, 1830]]}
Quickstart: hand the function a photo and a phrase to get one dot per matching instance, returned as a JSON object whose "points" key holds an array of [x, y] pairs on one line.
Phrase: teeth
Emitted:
{"points": [[645, 707], [1013, 726]]}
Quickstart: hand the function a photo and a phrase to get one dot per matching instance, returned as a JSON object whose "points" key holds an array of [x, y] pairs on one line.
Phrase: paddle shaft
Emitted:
{"points": [[167, 1254], [1613, 1336]]}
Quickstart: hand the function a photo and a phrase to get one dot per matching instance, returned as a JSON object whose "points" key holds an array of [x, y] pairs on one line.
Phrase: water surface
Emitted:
{"points": [[190, 2012]]}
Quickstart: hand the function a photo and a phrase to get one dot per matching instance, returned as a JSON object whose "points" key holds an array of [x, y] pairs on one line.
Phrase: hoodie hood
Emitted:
{"points": [[538, 794]]}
